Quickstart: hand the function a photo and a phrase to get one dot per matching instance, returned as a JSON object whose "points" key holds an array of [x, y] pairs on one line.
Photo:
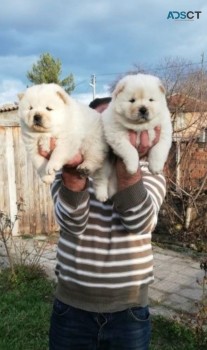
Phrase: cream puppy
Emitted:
{"points": [[138, 103], [47, 111]]}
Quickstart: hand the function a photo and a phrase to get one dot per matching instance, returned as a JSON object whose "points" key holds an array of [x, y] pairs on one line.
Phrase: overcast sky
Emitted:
{"points": [[101, 37]]}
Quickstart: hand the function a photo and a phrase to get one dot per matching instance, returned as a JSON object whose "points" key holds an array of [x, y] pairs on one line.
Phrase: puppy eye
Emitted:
{"points": [[151, 99], [48, 109], [30, 108], [132, 100]]}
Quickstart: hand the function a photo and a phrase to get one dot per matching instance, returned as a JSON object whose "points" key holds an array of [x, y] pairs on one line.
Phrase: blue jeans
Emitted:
{"points": [[75, 329]]}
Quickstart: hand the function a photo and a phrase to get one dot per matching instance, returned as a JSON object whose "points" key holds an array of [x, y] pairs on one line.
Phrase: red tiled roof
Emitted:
{"points": [[182, 103]]}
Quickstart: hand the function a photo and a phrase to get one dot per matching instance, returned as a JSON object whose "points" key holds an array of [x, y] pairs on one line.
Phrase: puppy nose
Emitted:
{"points": [[143, 110], [37, 119]]}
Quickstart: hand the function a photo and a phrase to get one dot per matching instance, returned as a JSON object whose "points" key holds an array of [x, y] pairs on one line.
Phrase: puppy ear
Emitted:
{"points": [[119, 88], [63, 95], [162, 89], [161, 86], [20, 95]]}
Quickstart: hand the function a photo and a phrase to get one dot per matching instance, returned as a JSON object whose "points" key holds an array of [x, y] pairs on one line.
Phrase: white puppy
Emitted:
{"points": [[138, 103], [47, 111]]}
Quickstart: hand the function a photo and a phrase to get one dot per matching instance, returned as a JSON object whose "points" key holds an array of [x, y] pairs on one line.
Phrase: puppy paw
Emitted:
{"points": [[101, 195], [131, 167], [44, 143], [53, 167], [131, 170], [156, 167], [155, 172], [48, 179], [132, 163], [84, 172]]}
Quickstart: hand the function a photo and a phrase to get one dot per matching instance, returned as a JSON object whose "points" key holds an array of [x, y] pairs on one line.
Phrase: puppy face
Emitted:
{"points": [[138, 99], [42, 107]]}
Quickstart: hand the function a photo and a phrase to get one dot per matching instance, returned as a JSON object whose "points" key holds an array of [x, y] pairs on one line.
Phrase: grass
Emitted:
{"points": [[172, 335], [25, 308]]}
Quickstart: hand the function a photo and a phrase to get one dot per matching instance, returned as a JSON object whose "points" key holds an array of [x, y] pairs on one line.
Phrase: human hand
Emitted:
{"points": [[144, 145], [125, 179], [72, 163], [47, 154], [70, 175]]}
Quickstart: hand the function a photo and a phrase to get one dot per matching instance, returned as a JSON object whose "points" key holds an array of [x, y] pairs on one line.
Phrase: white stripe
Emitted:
{"points": [[101, 205], [55, 192], [66, 211], [155, 193], [145, 222], [155, 184], [70, 220], [108, 286], [105, 229], [154, 200], [125, 238], [115, 263], [107, 275], [139, 206], [137, 209], [104, 218], [70, 209], [139, 216], [105, 251], [67, 224], [68, 230]]}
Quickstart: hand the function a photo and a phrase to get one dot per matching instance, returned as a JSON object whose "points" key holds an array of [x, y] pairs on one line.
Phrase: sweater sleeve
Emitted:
{"points": [[139, 204], [71, 208]]}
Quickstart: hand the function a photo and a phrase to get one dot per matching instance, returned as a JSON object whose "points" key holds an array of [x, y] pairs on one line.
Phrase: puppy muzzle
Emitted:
{"points": [[37, 120], [143, 114]]}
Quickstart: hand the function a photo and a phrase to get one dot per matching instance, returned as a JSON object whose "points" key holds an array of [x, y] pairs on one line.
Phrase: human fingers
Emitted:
{"points": [[133, 137], [52, 143], [47, 154], [143, 147], [145, 143], [157, 130], [75, 161]]}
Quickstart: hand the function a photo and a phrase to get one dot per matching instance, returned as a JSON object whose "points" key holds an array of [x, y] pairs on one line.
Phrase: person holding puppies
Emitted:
{"points": [[104, 257]]}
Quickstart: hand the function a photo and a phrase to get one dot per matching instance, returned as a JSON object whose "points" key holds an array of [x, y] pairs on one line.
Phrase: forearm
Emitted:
{"points": [[71, 203], [132, 200], [135, 208], [138, 205]]}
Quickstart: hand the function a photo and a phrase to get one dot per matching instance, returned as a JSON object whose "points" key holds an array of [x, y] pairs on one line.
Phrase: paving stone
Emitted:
{"points": [[156, 295], [165, 286], [161, 257], [180, 279], [180, 304], [192, 272], [163, 311], [192, 293]]}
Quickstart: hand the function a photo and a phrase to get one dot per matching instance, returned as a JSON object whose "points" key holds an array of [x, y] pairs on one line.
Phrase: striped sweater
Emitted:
{"points": [[104, 255]]}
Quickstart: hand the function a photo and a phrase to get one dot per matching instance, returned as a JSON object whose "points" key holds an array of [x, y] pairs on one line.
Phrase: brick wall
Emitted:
{"points": [[193, 165]]}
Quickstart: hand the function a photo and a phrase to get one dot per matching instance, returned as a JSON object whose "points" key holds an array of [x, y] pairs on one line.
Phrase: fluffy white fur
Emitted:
{"points": [[47, 111], [138, 103]]}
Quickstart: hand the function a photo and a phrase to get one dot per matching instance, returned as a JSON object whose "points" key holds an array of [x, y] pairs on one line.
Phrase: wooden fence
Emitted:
{"points": [[20, 185]]}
